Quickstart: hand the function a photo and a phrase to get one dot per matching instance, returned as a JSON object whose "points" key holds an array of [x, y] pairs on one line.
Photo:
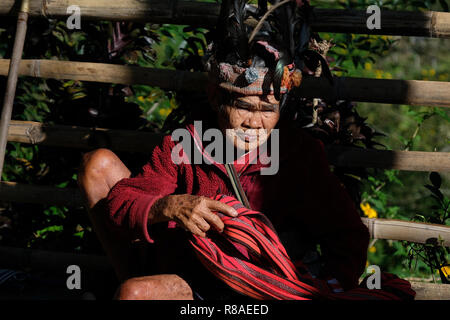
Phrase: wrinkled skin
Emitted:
{"points": [[193, 213]]}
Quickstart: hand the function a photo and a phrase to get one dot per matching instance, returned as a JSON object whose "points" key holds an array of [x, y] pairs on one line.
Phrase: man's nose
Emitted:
{"points": [[254, 121]]}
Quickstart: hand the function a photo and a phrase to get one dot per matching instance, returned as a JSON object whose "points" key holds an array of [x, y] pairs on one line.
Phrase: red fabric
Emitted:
{"points": [[304, 196], [249, 257]]}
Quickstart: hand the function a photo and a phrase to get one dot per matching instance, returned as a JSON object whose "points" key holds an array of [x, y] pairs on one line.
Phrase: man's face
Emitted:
{"points": [[251, 118]]}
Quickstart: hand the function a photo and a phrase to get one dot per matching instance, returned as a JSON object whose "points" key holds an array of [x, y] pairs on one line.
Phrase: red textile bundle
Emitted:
{"points": [[249, 257]]}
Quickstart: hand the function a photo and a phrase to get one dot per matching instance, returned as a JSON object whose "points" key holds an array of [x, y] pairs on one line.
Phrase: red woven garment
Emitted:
{"points": [[249, 257]]}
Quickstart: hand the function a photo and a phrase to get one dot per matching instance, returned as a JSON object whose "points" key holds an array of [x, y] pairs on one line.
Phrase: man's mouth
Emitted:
{"points": [[247, 137]]}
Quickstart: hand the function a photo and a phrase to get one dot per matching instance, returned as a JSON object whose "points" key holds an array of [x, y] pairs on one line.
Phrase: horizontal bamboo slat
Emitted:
{"points": [[404, 23], [37, 194], [144, 142], [430, 291], [82, 138], [391, 229], [401, 160], [19, 258], [378, 228], [41, 260], [411, 92]]}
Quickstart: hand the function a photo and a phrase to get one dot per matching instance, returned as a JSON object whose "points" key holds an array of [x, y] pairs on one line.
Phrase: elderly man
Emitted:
{"points": [[304, 200], [169, 202]]}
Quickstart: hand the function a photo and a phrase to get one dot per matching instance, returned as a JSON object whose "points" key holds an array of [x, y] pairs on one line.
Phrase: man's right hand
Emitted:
{"points": [[193, 213]]}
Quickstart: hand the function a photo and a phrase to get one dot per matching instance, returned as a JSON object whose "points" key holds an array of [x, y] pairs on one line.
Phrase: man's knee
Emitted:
{"points": [[157, 287], [96, 163]]}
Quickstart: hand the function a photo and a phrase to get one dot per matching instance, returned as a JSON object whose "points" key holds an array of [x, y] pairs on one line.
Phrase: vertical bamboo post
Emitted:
{"points": [[12, 79]]}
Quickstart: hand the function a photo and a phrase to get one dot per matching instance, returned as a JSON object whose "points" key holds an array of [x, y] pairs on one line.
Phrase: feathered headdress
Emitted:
{"points": [[261, 50]]}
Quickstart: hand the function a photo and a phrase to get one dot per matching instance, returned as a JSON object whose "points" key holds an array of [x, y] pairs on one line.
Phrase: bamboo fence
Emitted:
{"points": [[411, 92], [392, 229], [143, 142], [403, 23], [11, 83]]}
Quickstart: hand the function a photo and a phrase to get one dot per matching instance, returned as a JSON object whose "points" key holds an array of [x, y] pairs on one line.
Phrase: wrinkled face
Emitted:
{"points": [[250, 118]]}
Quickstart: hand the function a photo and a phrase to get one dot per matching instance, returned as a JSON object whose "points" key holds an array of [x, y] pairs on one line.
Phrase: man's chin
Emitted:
{"points": [[247, 146]]}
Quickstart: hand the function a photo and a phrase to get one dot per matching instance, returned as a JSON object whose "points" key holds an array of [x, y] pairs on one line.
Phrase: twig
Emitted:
{"points": [[260, 23]]}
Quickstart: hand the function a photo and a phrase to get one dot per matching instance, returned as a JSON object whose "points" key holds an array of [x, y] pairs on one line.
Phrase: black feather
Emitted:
{"points": [[231, 33]]}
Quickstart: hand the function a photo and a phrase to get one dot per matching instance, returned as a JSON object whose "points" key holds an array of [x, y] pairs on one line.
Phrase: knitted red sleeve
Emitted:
{"points": [[130, 200], [342, 236]]}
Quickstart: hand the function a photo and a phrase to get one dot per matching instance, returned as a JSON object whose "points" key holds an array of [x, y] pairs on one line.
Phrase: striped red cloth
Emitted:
{"points": [[249, 257]]}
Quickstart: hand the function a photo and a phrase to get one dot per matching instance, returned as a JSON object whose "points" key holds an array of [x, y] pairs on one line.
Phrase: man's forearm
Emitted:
{"points": [[157, 211]]}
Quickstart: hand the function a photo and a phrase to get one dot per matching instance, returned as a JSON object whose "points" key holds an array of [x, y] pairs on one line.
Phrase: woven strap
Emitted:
{"points": [[249, 257]]}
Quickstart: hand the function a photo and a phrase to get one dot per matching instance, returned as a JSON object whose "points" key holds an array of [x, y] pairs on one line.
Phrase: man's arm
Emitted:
{"points": [[130, 200], [135, 203]]}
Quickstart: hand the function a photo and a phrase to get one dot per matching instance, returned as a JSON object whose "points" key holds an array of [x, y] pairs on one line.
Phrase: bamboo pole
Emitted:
{"points": [[404, 23], [111, 73], [26, 193], [12, 79], [144, 142], [430, 291], [401, 160], [391, 229], [82, 138], [412, 92], [43, 260], [11, 257], [378, 228]]}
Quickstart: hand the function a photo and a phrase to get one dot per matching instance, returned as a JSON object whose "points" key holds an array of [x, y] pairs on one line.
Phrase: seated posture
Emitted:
{"points": [[179, 213]]}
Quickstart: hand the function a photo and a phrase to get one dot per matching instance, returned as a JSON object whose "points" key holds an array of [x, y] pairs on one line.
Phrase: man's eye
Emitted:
{"points": [[241, 105], [269, 108]]}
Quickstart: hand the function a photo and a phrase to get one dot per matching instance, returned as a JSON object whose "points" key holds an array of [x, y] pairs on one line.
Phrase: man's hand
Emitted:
{"points": [[193, 213]]}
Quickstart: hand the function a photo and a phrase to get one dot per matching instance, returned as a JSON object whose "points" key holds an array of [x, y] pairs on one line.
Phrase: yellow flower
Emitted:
{"points": [[368, 210], [424, 72], [378, 74], [388, 75], [164, 112], [141, 98], [372, 249], [432, 72], [446, 271], [443, 77], [368, 66]]}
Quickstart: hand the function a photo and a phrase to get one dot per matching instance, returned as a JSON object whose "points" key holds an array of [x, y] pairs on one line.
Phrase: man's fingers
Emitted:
{"points": [[214, 221], [221, 207], [201, 223], [192, 227]]}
